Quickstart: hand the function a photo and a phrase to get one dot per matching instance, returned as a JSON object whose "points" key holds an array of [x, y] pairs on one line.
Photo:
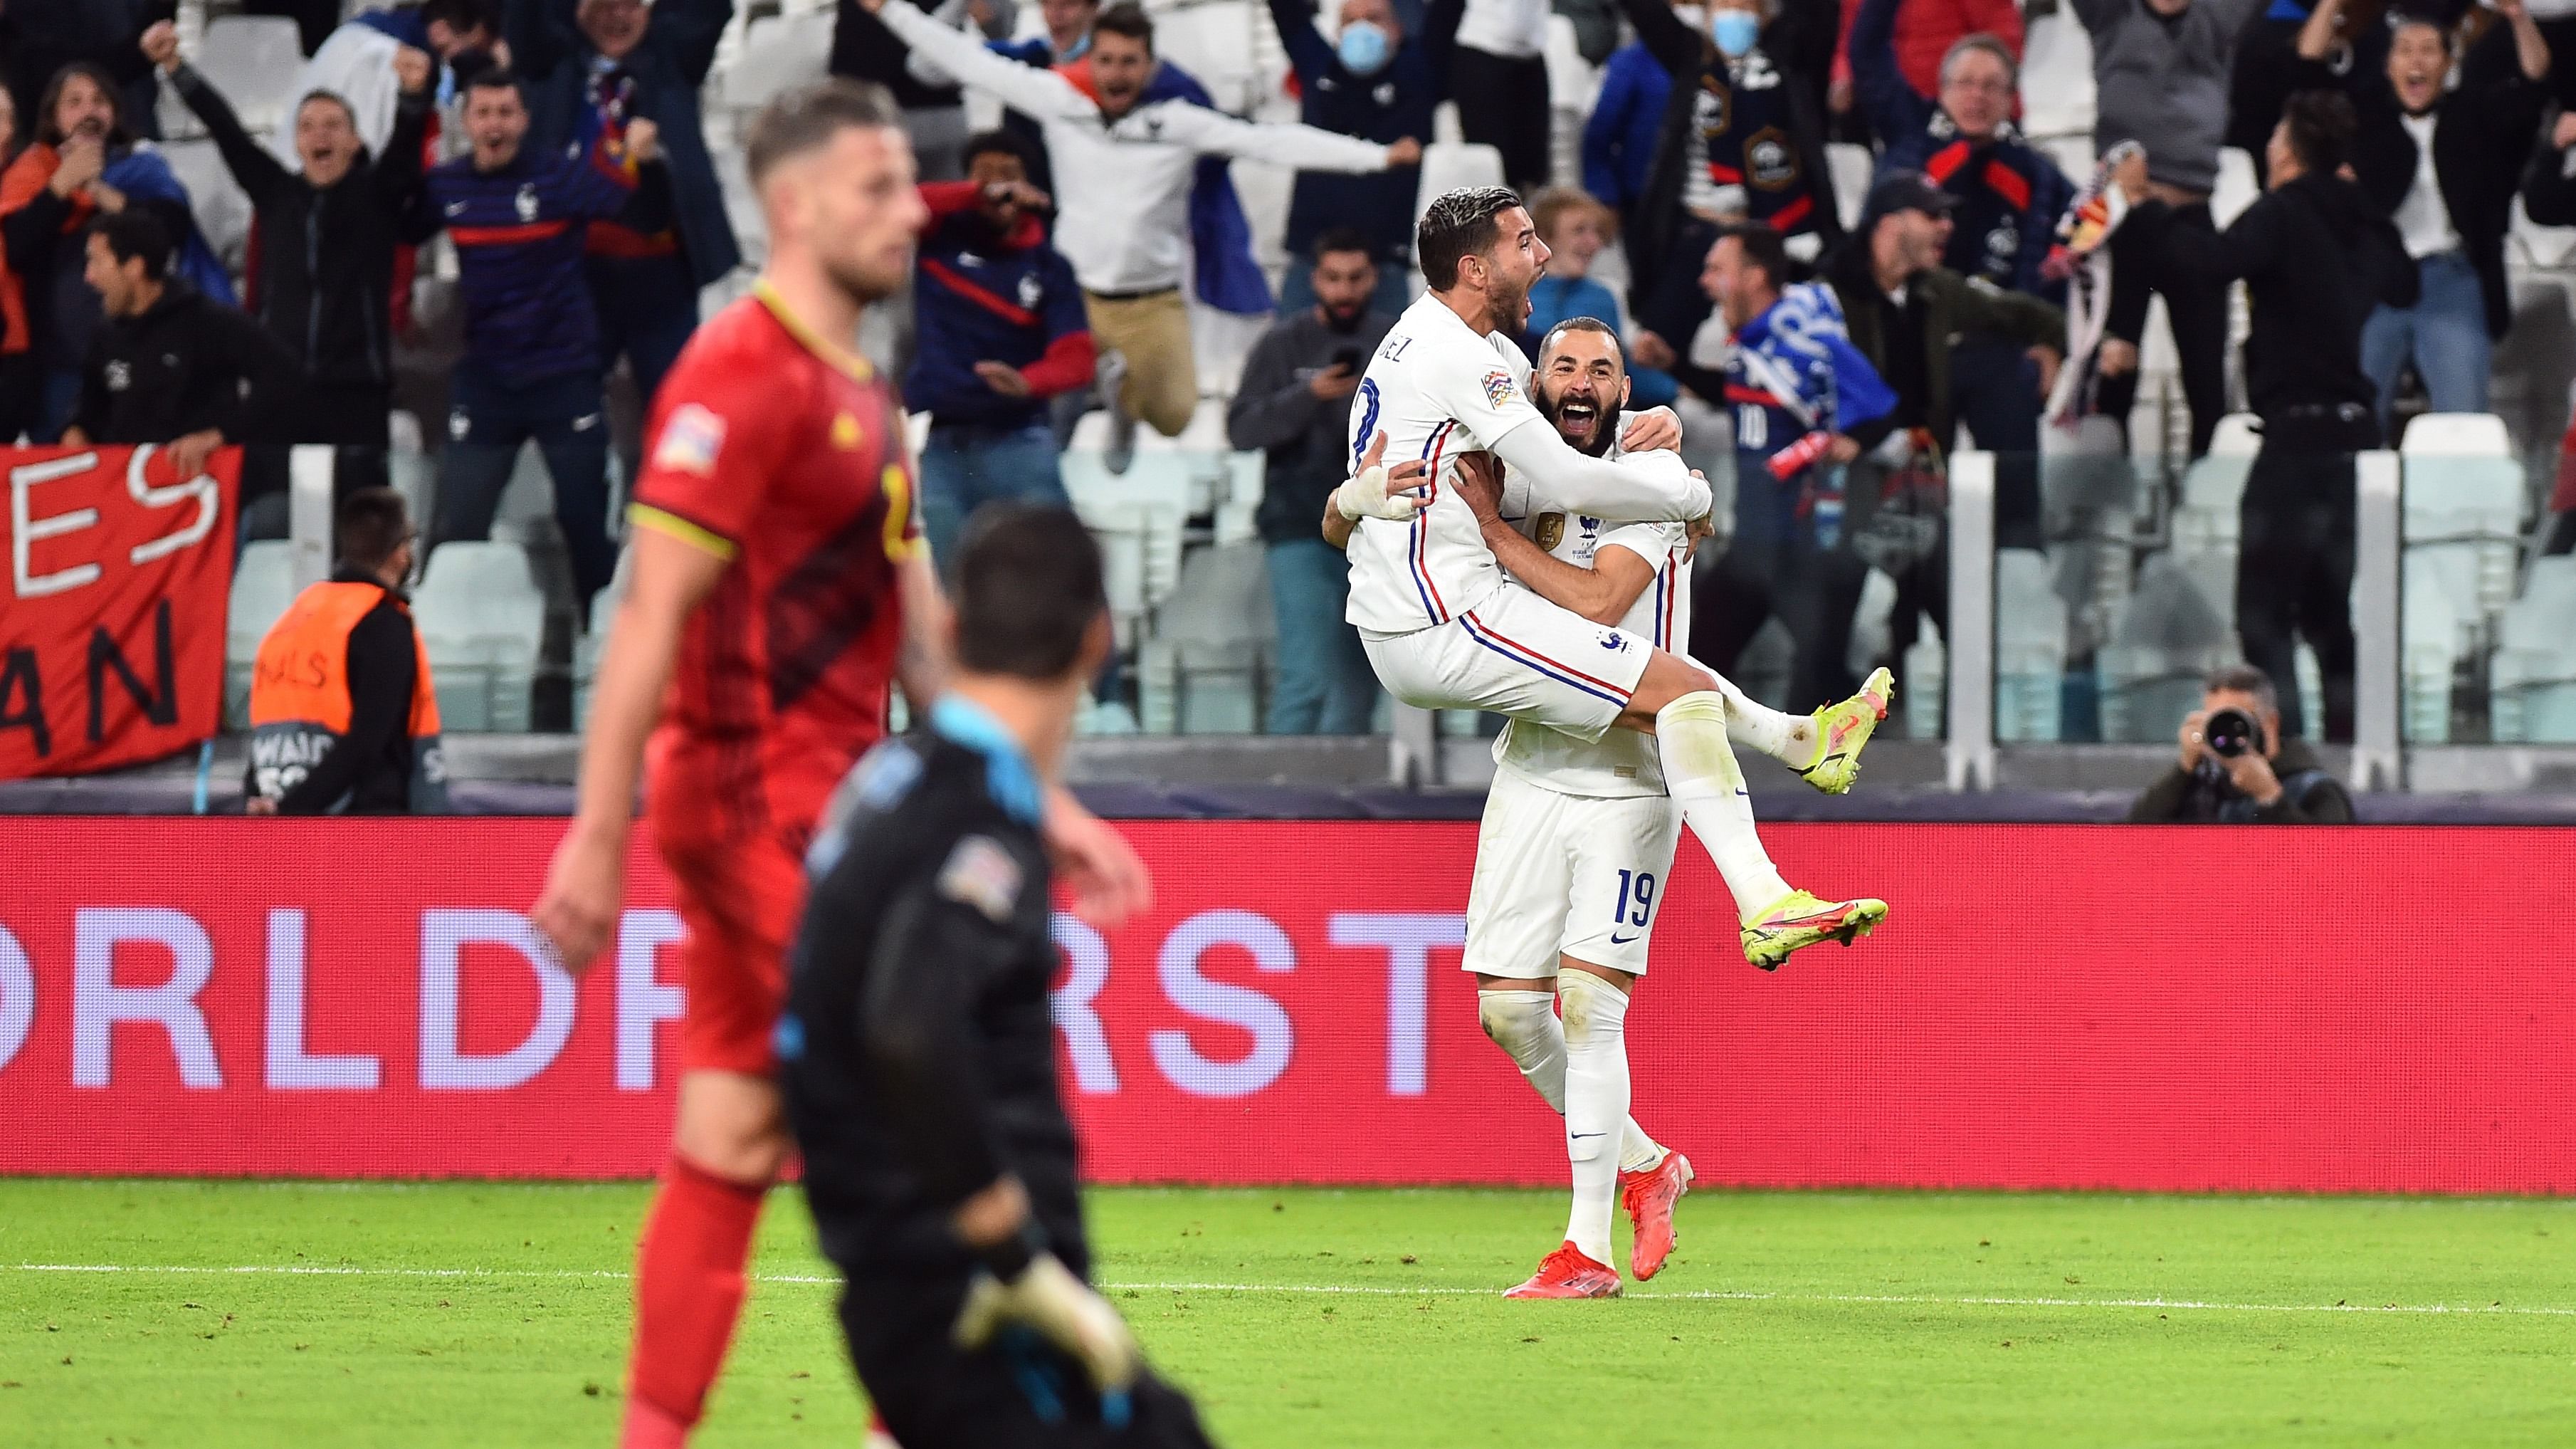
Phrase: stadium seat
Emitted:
{"points": [[2057, 94], [2533, 673], [1203, 670], [484, 621], [1852, 168], [592, 646], [1137, 516], [253, 60], [1927, 683], [1447, 166], [2457, 435], [1202, 449], [2429, 643], [1265, 190], [263, 586], [1214, 42], [2030, 647], [2464, 503], [1871, 634], [1245, 473], [2158, 644]]}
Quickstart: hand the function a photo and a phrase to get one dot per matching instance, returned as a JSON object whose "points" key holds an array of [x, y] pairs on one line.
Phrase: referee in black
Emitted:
{"points": [[918, 1052]]}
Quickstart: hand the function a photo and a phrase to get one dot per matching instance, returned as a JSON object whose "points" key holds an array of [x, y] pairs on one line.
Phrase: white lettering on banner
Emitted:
{"points": [[1273, 1037], [26, 530], [17, 997], [201, 488], [289, 1069], [443, 935], [1086, 971], [98, 1003], [1408, 941], [642, 999]]}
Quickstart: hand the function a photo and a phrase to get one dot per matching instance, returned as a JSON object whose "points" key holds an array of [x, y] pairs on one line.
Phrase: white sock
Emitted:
{"points": [[1700, 775], [1524, 1025], [1789, 738], [1596, 1102]]}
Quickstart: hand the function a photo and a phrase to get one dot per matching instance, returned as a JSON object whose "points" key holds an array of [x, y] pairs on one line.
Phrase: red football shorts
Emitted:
{"points": [[740, 900]]}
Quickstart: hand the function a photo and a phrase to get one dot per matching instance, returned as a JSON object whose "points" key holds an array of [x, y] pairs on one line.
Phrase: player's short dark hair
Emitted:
{"points": [[1341, 239], [807, 117], [373, 523], [2242, 679], [2321, 124], [460, 14], [1585, 324], [1763, 246], [1028, 588], [1458, 225], [497, 78], [1001, 143], [1129, 19], [135, 232]]}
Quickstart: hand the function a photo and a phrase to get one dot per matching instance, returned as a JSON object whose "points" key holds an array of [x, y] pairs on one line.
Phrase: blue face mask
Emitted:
{"points": [[1364, 49], [1735, 31]]}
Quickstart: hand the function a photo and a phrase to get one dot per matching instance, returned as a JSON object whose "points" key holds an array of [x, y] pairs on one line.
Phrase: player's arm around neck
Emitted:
{"points": [[1602, 593], [668, 578], [1599, 486]]}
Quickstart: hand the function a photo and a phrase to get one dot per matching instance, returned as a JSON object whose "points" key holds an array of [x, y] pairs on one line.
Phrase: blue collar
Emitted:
{"points": [[1007, 772]]}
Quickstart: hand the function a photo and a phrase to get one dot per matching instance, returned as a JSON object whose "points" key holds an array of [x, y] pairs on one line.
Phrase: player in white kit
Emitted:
{"points": [[1446, 629]]}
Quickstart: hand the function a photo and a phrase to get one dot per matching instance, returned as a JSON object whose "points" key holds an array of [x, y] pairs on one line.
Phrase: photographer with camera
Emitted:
{"points": [[2236, 768]]}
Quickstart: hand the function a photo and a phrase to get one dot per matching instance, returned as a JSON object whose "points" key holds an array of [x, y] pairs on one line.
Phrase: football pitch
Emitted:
{"points": [[221, 1314]]}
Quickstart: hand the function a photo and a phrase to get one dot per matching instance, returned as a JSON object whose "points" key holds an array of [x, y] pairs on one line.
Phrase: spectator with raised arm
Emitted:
{"points": [[1921, 37], [934, 109], [2160, 75], [1294, 404], [531, 369], [167, 364], [1001, 330], [593, 69], [2444, 164], [1379, 84], [325, 274], [2317, 257], [1124, 166], [1743, 139]]}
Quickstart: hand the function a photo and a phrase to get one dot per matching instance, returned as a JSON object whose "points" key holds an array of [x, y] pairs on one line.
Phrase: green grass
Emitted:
{"points": [[492, 1315]]}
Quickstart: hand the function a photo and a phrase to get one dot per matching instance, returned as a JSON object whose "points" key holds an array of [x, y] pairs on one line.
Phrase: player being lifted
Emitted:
{"points": [[778, 586], [1446, 629], [1577, 838]]}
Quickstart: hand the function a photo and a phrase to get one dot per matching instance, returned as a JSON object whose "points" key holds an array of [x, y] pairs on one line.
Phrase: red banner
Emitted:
{"points": [[112, 641], [2048, 1006]]}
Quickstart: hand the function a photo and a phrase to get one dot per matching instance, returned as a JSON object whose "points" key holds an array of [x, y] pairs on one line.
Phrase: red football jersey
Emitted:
{"points": [[784, 454]]}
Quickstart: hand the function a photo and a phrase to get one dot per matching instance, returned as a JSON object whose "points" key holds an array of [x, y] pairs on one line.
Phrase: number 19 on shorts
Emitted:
{"points": [[1636, 899]]}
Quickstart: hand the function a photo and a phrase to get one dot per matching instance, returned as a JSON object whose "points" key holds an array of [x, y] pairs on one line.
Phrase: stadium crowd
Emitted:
{"points": [[560, 147]]}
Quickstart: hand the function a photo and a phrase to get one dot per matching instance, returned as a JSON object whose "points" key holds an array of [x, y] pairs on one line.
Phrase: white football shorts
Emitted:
{"points": [[1572, 875], [1518, 655]]}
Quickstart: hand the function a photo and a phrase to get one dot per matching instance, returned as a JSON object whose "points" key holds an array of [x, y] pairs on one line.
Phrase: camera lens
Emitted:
{"points": [[2228, 732]]}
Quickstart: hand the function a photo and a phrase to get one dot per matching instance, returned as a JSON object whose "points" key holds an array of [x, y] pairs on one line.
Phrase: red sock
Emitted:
{"points": [[688, 1291]]}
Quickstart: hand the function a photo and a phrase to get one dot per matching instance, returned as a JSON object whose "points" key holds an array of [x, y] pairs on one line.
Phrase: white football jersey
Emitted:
{"points": [[1436, 388], [1623, 762]]}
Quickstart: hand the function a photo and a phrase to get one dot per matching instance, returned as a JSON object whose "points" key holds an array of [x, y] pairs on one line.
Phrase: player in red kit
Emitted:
{"points": [[779, 588]]}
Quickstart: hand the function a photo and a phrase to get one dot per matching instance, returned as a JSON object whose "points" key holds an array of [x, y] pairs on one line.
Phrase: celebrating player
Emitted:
{"points": [[1445, 629], [919, 1055], [778, 586]]}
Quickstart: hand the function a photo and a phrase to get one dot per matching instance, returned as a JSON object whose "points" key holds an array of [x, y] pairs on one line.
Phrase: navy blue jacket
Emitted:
{"points": [[1385, 107], [2011, 196], [1627, 119], [982, 298], [669, 67], [519, 234]]}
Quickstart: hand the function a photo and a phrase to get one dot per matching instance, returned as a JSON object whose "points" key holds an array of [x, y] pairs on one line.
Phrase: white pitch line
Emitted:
{"points": [[1379, 1290]]}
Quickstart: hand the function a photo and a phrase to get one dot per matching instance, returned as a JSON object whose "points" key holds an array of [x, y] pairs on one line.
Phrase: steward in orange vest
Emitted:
{"points": [[343, 718]]}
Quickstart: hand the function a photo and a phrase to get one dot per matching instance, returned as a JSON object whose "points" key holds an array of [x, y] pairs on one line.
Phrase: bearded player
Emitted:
{"points": [[779, 586], [1446, 629]]}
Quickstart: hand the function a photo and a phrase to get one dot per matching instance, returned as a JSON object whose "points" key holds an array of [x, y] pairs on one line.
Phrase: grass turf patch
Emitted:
{"points": [[497, 1315]]}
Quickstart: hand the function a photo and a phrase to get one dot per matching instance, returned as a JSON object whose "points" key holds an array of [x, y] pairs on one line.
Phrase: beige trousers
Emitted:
{"points": [[1153, 333]]}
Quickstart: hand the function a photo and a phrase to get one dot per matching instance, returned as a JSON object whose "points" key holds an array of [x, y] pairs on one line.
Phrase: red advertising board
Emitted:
{"points": [[2080, 1006], [112, 631]]}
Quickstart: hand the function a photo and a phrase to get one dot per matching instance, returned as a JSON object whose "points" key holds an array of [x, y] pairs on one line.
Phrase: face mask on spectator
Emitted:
{"points": [[1365, 49], [1735, 31]]}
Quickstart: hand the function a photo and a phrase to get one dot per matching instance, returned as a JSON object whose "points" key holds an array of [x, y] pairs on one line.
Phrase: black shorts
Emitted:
{"points": [[1017, 1395]]}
